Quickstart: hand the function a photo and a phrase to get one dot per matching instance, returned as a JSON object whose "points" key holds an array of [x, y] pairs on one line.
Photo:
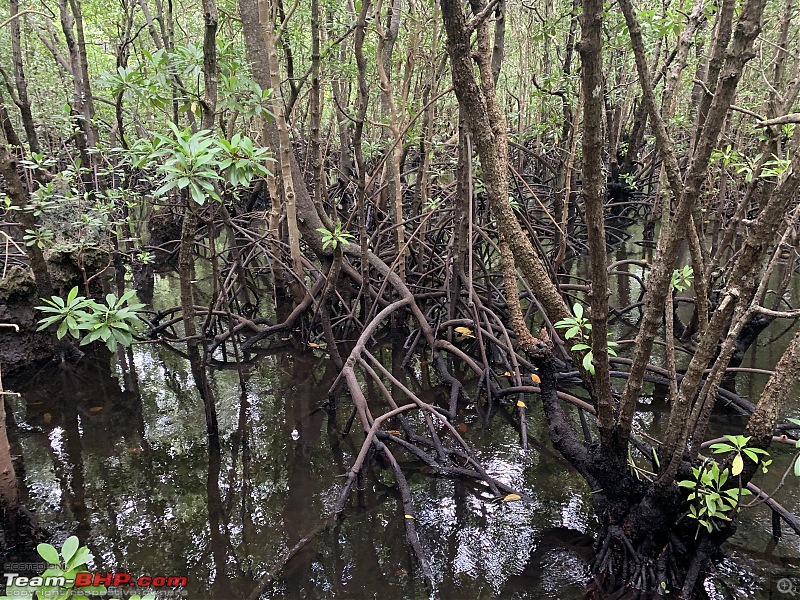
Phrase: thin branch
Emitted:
{"points": [[27, 11], [476, 21], [784, 120]]}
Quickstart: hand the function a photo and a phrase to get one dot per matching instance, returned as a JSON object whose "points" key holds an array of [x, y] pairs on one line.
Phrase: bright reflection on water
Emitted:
{"points": [[119, 457], [138, 485]]}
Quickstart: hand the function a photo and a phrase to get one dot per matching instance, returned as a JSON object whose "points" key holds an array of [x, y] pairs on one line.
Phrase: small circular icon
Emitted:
{"points": [[785, 586]]}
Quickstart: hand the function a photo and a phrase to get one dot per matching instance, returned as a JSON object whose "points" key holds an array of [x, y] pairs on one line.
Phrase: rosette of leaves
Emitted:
{"points": [[84, 319], [334, 238]]}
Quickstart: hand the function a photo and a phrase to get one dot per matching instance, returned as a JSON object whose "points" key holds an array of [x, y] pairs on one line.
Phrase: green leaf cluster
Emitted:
{"points": [[69, 562], [114, 322], [190, 162], [710, 497], [335, 237], [580, 329], [241, 160], [738, 444], [682, 278], [201, 162]]}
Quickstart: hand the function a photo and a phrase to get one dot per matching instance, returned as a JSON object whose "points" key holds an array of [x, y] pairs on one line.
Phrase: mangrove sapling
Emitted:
{"points": [[712, 497], [114, 322], [580, 329]]}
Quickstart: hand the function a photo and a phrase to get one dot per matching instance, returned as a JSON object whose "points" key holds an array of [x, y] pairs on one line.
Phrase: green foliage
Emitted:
{"points": [[41, 237], [87, 320], [671, 23], [729, 156], [747, 166], [432, 204], [682, 278], [201, 162], [145, 258], [580, 329], [241, 160], [190, 162], [70, 561], [70, 217], [775, 168], [239, 92], [738, 444], [335, 237], [709, 497]]}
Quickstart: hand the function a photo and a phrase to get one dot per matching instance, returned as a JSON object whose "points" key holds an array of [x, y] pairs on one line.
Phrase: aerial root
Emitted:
{"points": [[618, 561]]}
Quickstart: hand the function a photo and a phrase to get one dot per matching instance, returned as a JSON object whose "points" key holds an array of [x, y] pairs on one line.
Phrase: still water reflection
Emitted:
{"points": [[120, 458], [116, 453]]}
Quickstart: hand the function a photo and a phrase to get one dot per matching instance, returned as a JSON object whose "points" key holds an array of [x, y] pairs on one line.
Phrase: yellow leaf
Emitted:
{"points": [[512, 498], [313, 345], [95, 409], [394, 432], [506, 374], [520, 403], [194, 107], [535, 378], [409, 517], [738, 465], [465, 331]]}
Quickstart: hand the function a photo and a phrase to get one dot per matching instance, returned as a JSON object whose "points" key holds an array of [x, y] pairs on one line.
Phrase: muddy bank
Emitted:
{"points": [[19, 297]]}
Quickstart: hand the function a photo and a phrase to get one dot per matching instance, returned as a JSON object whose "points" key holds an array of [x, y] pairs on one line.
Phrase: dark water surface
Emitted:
{"points": [[116, 453]]}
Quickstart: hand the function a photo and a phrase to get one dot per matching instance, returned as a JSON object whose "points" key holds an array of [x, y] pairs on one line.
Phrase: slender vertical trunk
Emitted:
{"points": [[386, 41], [315, 104], [8, 126], [19, 77], [594, 194], [566, 143], [686, 189], [186, 274], [362, 103], [489, 134], [284, 143], [211, 19], [83, 107], [499, 47]]}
